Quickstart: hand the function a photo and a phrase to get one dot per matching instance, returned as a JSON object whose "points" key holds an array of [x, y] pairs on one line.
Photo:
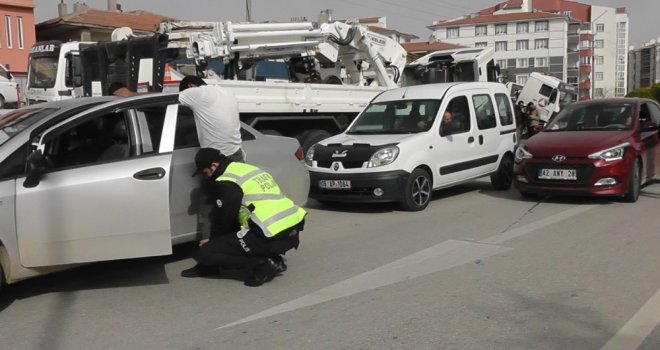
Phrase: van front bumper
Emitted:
{"points": [[363, 186]]}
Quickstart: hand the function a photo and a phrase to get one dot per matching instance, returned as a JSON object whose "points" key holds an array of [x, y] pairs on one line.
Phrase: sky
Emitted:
{"points": [[411, 16]]}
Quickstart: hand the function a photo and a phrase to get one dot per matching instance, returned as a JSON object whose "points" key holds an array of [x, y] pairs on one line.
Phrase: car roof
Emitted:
{"points": [[614, 100], [436, 91]]}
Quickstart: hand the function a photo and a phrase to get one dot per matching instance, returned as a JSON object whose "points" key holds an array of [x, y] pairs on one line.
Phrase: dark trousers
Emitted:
{"points": [[231, 252]]}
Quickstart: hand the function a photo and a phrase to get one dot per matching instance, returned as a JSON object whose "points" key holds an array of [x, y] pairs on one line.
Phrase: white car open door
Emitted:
{"points": [[83, 209]]}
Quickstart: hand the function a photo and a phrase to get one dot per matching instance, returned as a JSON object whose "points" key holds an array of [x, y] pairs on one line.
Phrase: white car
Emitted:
{"points": [[8, 89], [398, 149], [105, 178]]}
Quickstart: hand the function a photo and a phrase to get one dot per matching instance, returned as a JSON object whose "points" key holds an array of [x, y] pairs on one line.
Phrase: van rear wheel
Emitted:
{"points": [[502, 179], [417, 193]]}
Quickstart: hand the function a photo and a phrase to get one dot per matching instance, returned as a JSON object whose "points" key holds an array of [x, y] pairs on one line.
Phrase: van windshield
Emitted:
{"points": [[396, 117], [14, 122], [43, 71]]}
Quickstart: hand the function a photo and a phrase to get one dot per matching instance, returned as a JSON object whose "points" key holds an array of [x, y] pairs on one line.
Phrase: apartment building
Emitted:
{"points": [[644, 65], [582, 44], [16, 35]]}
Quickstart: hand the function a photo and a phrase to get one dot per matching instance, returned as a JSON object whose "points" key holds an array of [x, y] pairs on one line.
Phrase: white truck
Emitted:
{"points": [[8, 89], [549, 94]]}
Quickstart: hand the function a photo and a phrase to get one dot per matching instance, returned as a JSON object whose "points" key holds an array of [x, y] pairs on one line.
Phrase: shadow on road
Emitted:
{"points": [[99, 275]]}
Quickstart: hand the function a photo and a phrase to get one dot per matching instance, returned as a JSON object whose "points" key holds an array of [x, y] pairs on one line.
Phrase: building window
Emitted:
{"points": [[500, 29], [521, 79], [522, 27], [501, 63], [500, 46], [522, 45], [599, 44], [453, 32], [585, 44], [481, 30], [572, 80], [481, 44], [19, 29], [599, 59], [522, 63], [585, 60], [541, 43], [598, 92], [9, 42], [600, 27], [541, 26], [541, 62], [598, 76], [568, 13]]}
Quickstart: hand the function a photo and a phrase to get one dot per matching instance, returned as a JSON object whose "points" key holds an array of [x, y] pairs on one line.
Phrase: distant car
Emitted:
{"points": [[400, 150], [105, 178], [605, 147]]}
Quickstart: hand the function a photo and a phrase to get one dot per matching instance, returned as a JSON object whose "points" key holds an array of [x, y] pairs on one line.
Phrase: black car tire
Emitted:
{"points": [[417, 192], [2, 102], [634, 183], [503, 177], [308, 138], [2, 277]]}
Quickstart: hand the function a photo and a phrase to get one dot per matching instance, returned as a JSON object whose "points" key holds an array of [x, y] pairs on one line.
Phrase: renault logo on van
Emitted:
{"points": [[335, 166], [341, 154], [558, 158]]}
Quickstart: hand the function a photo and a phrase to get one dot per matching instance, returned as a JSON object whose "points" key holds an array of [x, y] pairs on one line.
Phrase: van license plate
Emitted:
{"points": [[335, 184], [557, 174]]}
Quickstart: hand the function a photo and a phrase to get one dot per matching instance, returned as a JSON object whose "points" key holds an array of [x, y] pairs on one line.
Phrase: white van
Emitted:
{"points": [[8, 89], [549, 94], [399, 149]]}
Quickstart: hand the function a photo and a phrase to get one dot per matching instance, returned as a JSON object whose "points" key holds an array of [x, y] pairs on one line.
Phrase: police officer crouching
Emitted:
{"points": [[252, 223]]}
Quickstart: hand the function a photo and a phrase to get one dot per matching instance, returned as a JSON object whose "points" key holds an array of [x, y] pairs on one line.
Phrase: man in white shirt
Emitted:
{"points": [[216, 116], [215, 110]]}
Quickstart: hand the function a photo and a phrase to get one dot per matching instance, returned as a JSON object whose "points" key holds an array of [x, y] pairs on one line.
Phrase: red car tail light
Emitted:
{"points": [[299, 154]]}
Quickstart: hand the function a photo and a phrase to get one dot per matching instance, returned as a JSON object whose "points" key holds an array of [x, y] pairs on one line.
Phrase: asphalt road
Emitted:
{"points": [[478, 269]]}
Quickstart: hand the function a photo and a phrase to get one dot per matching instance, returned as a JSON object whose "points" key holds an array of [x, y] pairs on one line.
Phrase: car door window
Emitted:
{"points": [[185, 135], [14, 165], [456, 117], [504, 109], [150, 120], [98, 139], [654, 113], [483, 109]]}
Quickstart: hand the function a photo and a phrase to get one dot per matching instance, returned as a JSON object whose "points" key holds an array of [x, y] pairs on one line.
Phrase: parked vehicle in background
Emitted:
{"points": [[606, 147], [105, 178], [549, 94], [8, 89], [399, 149]]}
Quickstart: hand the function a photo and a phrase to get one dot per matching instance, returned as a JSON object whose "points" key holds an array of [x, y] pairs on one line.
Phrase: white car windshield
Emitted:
{"points": [[396, 117], [599, 116], [14, 122]]}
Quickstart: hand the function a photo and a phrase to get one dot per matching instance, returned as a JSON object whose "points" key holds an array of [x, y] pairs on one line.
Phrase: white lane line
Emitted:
{"points": [[515, 233], [443, 256], [640, 326]]}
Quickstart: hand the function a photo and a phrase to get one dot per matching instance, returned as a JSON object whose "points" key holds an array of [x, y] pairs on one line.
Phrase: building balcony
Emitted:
{"points": [[586, 52], [585, 69], [586, 36], [585, 85]]}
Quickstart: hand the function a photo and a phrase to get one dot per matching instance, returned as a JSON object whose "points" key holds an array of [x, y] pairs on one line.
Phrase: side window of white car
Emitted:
{"points": [[456, 118], [483, 109], [100, 139], [504, 109], [150, 127], [14, 165]]}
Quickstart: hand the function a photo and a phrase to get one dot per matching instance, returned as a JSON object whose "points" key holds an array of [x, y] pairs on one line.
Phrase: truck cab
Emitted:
{"points": [[549, 94], [55, 71]]}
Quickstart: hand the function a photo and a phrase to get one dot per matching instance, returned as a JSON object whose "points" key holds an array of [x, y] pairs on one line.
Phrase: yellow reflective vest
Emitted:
{"points": [[273, 212]]}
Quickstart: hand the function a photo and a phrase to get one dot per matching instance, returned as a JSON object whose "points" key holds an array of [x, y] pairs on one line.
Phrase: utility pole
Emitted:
{"points": [[248, 10]]}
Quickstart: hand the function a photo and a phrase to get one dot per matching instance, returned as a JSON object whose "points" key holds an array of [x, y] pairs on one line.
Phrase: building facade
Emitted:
{"points": [[16, 35], [584, 45], [644, 66]]}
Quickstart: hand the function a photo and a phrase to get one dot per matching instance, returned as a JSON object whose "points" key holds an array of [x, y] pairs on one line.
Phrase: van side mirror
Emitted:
{"points": [[36, 167]]}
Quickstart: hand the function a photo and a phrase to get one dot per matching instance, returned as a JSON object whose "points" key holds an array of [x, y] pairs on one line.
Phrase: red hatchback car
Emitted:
{"points": [[605, 147]]}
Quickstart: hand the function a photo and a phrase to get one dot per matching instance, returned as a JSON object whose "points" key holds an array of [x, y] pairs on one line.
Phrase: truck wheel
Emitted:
{"points": [[417, 193], [634, 184], [308, 138], [502, 179]]}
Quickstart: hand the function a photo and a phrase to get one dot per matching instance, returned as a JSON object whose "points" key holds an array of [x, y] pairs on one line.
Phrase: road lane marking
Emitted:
{"points": [[520, 231], [442, 256], [638, 328]]}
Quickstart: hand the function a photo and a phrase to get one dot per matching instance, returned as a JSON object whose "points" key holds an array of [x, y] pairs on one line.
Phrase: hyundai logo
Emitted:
{"points": [[341, 154], [558, 158]]}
